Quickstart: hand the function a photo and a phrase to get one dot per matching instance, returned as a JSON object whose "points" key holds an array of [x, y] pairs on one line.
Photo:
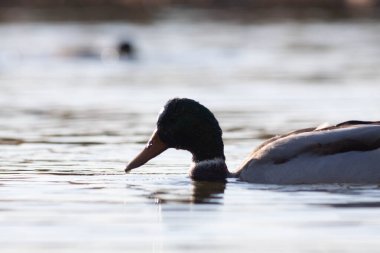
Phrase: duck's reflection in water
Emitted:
{"points": [[208, 192], [201, 193]]}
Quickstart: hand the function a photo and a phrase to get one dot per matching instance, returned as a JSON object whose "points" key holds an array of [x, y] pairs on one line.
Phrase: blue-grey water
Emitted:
{"points": [[73, 113]]}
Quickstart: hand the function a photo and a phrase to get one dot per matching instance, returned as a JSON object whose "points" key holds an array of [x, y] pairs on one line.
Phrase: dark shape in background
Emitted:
{"points": [[139, 10]]}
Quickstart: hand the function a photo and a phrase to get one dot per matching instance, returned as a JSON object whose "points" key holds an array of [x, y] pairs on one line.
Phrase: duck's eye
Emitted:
{"points": [[149, 144]]}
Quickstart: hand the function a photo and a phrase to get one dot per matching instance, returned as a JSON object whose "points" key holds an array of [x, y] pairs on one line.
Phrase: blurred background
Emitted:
{"points": [[85, 53], [148, 9]]}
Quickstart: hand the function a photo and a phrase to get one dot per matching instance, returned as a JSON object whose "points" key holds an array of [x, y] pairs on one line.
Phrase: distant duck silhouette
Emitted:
{"points": [[124, 50], [345, 153]]}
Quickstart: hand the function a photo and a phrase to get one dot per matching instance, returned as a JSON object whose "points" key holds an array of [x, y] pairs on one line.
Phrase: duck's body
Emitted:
{"points": [[346, 153], [343, 154]]}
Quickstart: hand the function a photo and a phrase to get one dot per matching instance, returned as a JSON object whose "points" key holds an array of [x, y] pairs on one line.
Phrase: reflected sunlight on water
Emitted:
{"points": [[70, 123]]}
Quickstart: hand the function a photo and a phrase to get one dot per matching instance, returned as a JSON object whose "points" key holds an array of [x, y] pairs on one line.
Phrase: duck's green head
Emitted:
{"points": [[186, 124]]}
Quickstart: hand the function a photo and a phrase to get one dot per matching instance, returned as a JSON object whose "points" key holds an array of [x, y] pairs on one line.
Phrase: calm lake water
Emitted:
{"points": [[72, 115]]}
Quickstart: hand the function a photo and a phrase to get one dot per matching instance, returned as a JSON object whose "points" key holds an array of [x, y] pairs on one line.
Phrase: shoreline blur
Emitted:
{"points": [[145, 11]]}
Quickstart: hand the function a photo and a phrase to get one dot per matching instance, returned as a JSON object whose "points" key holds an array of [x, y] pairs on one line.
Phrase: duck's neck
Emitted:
{"points": [[209, 163], [209, 150], [208, 159], [209, 170]]}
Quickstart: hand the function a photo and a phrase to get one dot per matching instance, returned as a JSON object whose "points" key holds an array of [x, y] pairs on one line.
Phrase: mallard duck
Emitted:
{"points": [[348, 152]]}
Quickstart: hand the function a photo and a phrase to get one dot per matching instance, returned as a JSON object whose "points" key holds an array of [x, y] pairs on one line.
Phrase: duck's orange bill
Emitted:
{"points": [[153, 148]]}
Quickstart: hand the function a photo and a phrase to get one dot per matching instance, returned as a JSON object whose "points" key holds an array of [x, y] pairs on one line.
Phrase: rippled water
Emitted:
{"points": [[72, 115]]}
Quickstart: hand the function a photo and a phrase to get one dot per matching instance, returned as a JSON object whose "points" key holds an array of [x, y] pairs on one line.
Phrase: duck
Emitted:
{"points": [[124, 50], [345, 153]]}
